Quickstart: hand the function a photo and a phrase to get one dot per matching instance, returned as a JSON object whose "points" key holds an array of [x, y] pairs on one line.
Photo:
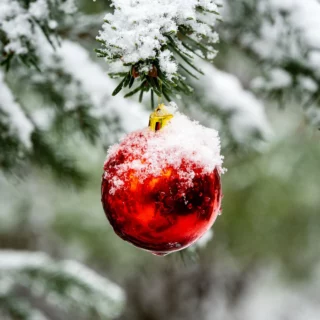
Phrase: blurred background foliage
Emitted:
{"points": [[264, 254]]}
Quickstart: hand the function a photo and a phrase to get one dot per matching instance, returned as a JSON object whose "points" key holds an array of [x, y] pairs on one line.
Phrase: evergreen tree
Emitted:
{"points": [[57, 94]]}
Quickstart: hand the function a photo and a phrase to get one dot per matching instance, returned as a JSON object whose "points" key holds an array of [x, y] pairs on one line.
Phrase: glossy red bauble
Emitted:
{"points": [[162, 213]]}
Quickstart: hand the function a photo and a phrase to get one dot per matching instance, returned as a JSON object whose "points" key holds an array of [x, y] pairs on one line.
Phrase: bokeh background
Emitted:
{"points": [[261, 260]]}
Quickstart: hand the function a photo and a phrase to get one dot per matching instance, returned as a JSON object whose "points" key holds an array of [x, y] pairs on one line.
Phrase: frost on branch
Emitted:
{"points": [[153, 41], [68, 286], [18, 21]]}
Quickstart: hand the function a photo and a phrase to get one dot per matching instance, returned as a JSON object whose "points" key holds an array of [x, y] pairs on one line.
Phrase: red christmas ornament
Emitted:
{"points": [[160, 193]]}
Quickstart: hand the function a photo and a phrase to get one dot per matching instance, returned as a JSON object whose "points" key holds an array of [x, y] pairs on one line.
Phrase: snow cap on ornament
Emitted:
{"points": [[161, 188]]}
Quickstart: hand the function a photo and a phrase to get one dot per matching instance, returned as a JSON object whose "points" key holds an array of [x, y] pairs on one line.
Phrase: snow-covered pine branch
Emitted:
{"points": [[15, 127], [68, 286], [284, 36], [23, 142], [117, 114], [70, 102], [154, 42], [239, 115], [81, 98], [77, 100], [18, 21]]}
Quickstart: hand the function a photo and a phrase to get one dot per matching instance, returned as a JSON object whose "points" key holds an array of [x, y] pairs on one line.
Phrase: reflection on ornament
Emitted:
{"points": [[160, 190]]}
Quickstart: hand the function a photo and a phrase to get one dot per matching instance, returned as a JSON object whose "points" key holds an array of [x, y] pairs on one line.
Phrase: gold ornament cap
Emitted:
{"points": [[159, 118]]}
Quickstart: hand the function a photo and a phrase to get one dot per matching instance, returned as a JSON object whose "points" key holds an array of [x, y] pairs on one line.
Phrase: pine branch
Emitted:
{"points": [[22, 46], [96, 297], [45, 155], [187, 71], [161, 60]]}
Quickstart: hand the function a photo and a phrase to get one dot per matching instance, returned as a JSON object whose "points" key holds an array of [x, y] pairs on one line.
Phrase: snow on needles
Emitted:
{"points": [[244, 112], [83, 284], [96, 83], [17, 22], [13, 260], [182, 141], [19, 124], [137, 30], [288, 32], [295, 25]]}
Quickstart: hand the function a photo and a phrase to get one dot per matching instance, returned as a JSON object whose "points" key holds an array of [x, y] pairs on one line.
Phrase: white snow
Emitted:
{"points": [[99, 87], [107, 297], [14, 22], [68, 6], [307, 83], [94, 82], [150, 153], [89, 82], [137, 28], [275, 79], [224, 91], [39, 9], [17, 120], [92, 279], [13, 260], [279, 39], [37, 315], [285, 37], [17, 22], [291, 35], [303, 17], [166, 64]]}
